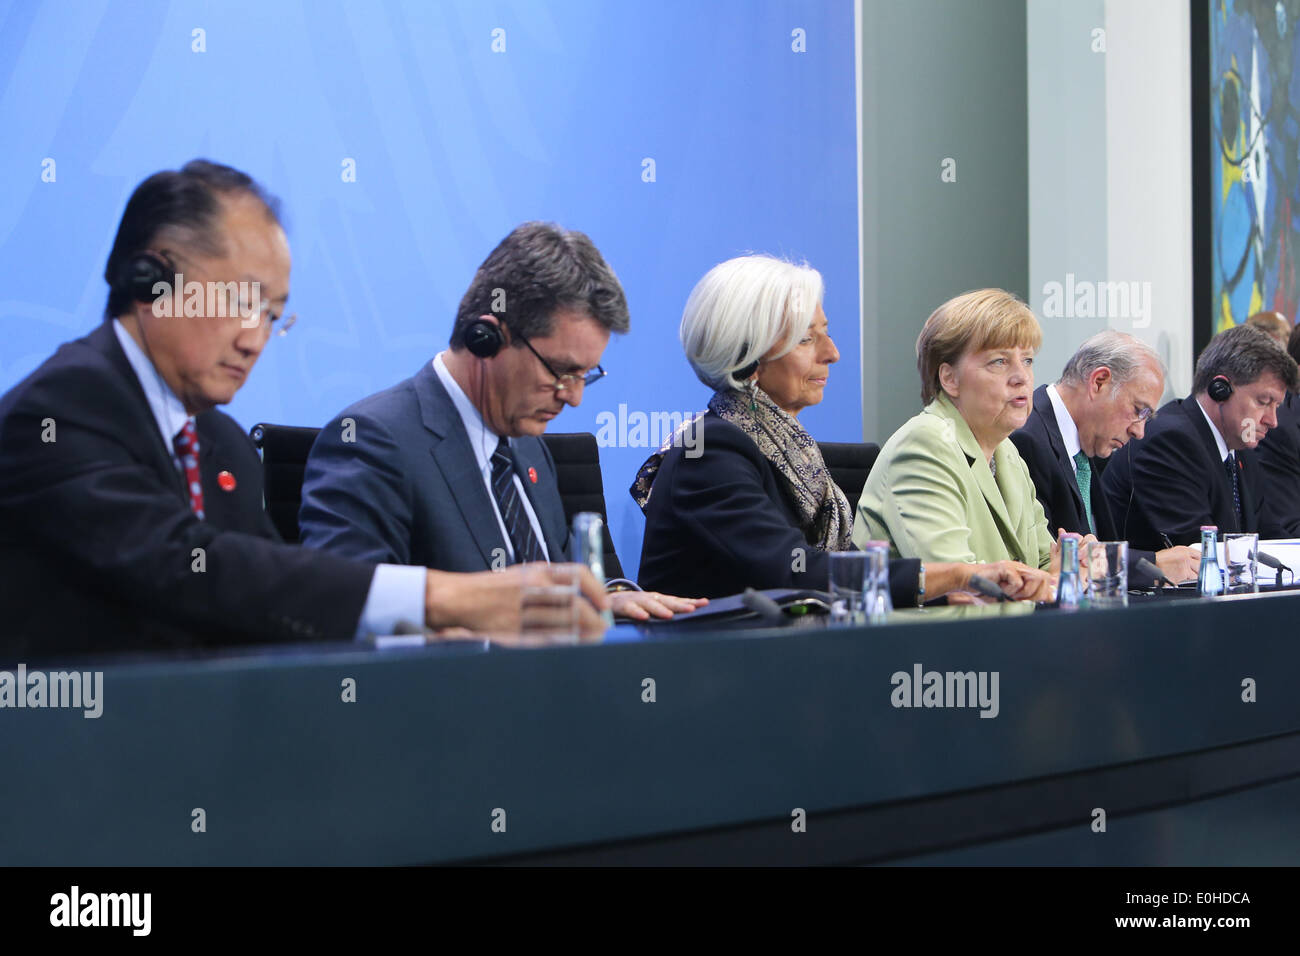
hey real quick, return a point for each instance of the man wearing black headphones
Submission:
(447, 468)
(1197, 463)
(131, 510)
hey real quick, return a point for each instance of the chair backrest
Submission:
(577, 464)
(850, 463)
(284, 461)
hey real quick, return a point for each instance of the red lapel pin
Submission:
(226, 481)
(532, 475)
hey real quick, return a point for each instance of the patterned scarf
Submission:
(824, 512)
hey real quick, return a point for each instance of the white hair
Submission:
(1120, 352)
(741, 310)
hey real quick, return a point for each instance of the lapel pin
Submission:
(532, 475)
(226, 481)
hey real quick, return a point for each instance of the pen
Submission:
(1165, 538)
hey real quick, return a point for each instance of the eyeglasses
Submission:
(279, 324)
(565, 381)
(1143, 415)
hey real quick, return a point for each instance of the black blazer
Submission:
(99, 550)
(1172, 480)
(720, 522)
(1279, 468)
(1041, 446)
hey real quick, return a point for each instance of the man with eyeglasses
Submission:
(131, 514)
(1197, 464)
(1106, 396)
(447, 468)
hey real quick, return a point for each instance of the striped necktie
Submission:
(518, 527)
(1083, 477)
(186, 444)
(1230, 463)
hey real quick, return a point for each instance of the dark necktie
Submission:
(1230, 463)
(1083, 478)
(186, 444)
(518, 527)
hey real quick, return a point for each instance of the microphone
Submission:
(1152, 570)
(762, 605)
(1265, 558)
(986, 587)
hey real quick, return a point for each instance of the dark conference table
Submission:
(459, 753)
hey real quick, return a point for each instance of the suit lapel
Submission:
(984, 479)
(1043, 406)
(454, 458)
(1223, 513)
(104, 340)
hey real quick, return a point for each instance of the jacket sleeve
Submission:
(1168, 476)
(917, 495)
(356, 500)
(91, 503)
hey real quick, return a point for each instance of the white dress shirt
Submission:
(484, 442)
(396, 591)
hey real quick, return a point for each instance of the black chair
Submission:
(577, 463)
(850, 463)
(284, 462)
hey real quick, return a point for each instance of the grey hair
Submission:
(1120, 352)
(1243, 353)
(741, 310)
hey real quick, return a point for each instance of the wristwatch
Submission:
(920, 586)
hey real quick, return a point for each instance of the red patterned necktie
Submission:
(186, 444)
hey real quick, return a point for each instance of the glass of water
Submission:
(1107, 563)
(1240, 557)
(848, 587)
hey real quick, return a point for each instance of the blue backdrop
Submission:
(454, 143)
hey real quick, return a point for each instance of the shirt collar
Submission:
(1214, 430)
(1065, 424)
(481, 438)
(168, 410)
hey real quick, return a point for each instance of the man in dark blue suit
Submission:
(1279, 460)
(131, 510)
(1107, 393)
(447, 469)
(1197, 463)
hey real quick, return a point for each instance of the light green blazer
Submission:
(932, 496)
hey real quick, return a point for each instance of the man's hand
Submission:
(1180, 563)
(642, 605)
(489, 604)
(1017, 581)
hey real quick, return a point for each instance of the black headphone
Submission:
(142, 273)
(484, 338)
(1220, 389)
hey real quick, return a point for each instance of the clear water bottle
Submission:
(879, 605)
(1068, 590)
(1210, 581)
(589, 548)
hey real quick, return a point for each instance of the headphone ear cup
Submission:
(483, 339)
(144, 272)
(1220, 388)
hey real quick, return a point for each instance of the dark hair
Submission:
(536, 270)
(1243, 353)
(185, 205)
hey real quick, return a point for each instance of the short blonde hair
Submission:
(741, 310)
(972, 322)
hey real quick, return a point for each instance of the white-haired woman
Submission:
(749, 502)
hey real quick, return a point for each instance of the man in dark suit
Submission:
(447, 469)
(131, 509)
(1279, 461)
(1105, 396)
(1197, 463)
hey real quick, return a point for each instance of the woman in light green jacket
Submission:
(949, 485)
